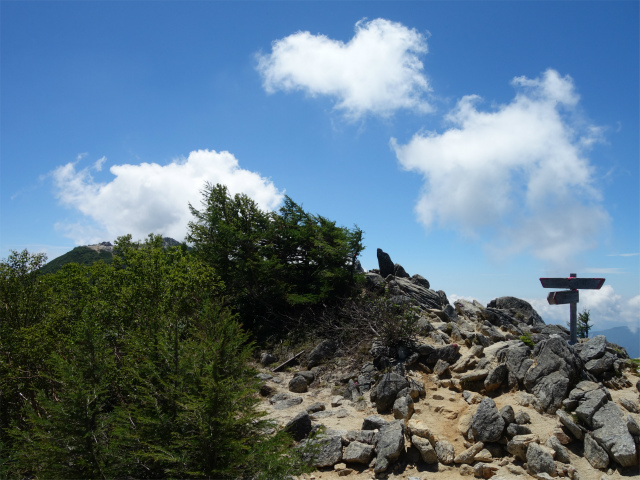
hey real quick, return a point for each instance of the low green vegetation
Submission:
(527, 340)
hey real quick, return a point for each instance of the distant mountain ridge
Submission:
(624, 337)
(89, 254)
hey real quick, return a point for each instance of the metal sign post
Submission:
(570, 296)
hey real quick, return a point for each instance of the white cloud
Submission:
(378, 71)
(608, 309)
(151, 198)
(518, 175)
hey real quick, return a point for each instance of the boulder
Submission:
(390, 445)
(321, 352)
(384, 263)
(323, 451)
(594, 348)
(594, 453)
(441, 369)
(515, 429)
(496, 377)
(363, 436)
(387, 390)
(629, 405)
(562, 454)
(403, 408)
(316, 407)
(539, 460)
(298, 384)
(424, 297)
(556, 371)
(288, 403)
(568, 422)
(521, 417)
(373, 422)
(527, 313)
(598, 366)
(430, 355)
(487, 424)
(590, 403)
(508, 414)
(519, 444)
(299, 426)
(612, 433)
(267, 359)
(420, 429)
(357, 452)
(420, 280)
(399, 271)
(427, 452)
(445, 452)
(518, 360)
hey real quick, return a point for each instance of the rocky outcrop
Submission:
(556, 370)
(520, 309)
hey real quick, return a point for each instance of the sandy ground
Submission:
(441, 410)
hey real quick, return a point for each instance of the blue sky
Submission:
(481, 144)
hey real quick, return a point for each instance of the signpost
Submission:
(570, 296)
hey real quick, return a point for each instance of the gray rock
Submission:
(557, 369)
(399, 271)
(420, 280)
(403, 408)
(320, 415)
(316, 407)
(264, 376)
(539, 460)
(519, 444)
(562, 454)
(267, 359)
(527, 313)
(594, 348)
(522, 418)
(612, 433)
(357, 452)
(390, 445)
(594, 453)
(431, 355)
(416, 389)
(320, 353)
(590, 403)
(373, 422)
(427, 452)
(288, 403)
(496, 377)
(323, 451)
(508, 414)
(278, 397)
(424, 297)
(298, 384)
(487, 424)
(568, 422)
(445, 452)
(441, 369)
(299, 426)
(629, 405)
(632, 426)
(384, 263)
(598, 366)
(514, 429)
(363, 436)
(374, 282)
(387, 390)
(517, 358)
(308, 375)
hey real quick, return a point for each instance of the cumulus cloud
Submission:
(151, 198)
(608, 309)
(378, 71)
(518, 174)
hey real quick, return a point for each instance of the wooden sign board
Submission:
(573, 283)
(560, 298)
